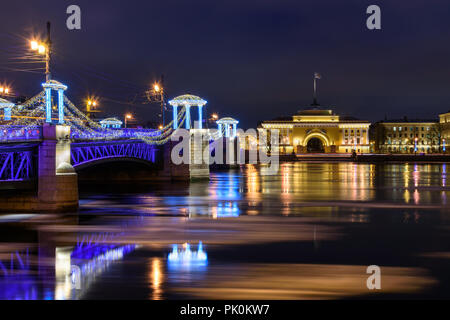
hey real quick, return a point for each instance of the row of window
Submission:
(353, 131)
(410, 128)
(412, 150)
(411, 135)
(420, 142)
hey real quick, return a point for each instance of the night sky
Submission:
(251, 60)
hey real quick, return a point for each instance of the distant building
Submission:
(444, 123)
(111, 123)
(318, 130)
(407, 136)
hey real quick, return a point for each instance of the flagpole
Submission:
(315, 91)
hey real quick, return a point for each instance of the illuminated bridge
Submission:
(48, 143)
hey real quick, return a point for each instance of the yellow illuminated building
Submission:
(319, 131)
(403, 136)
(444, 121)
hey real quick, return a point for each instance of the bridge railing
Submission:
(116, 133)
(83, 153)
(20, 133)
(17, 163)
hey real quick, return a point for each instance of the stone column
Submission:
(188, 117)
(57, 180)
(200, 117)
(220, 129)
(7, 114)
(234, 130)
(227, 130)
(175, 117)
(61, 106)
(48, 105)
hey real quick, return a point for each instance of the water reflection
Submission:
(156, 278)
(265, 234)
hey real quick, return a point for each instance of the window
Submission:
(395, 128)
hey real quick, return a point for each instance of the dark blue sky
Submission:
(252, 60)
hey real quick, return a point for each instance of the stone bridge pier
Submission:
(57, 179)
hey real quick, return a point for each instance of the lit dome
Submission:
(111, 121)
(6, 104)
(187, 100)
(227, 120)
(54, 85)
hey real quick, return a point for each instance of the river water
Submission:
(309, 232)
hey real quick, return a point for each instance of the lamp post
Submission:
(415, 146)
(91, 106)
(443, 145)
(44, 48)
(128, 116)
(158, 89)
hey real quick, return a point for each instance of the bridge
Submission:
(49, 143)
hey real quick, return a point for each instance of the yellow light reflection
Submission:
(156, 277)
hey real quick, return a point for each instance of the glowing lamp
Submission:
(41, 49)
(34, 45)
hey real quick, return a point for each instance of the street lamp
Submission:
(91, 106)
(44, 48)
(128, 116)
(159, 90)
(4, 91)
(443, 147)
(415, 145)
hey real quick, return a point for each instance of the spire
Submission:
(317, 76)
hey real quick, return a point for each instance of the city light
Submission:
(92, 103)
(156, 87)
(40, 47)
(4, 90)
(34, 45)
(128, 116)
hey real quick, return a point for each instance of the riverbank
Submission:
(367, 157)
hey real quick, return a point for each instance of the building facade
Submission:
(318, 130)
(444, 123)
(403, 136)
